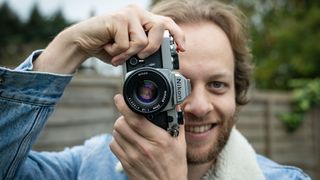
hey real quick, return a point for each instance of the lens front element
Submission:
(146, 91)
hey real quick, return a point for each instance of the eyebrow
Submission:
(222, 74)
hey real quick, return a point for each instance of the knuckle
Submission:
(116, 125)
(146, 151)
(134, 157)
(141, 42)
(153, 47)
(119, 123)
(122, 46)
(150, 49)
(112, 146)
(164, 144)
(166, 21)
(127, 166)
(120, 17)
(137, 125)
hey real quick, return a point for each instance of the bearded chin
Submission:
(211, 155)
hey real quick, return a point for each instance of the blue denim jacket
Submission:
(26, 101)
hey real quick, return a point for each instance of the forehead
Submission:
(207, 46)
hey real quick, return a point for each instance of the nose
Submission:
(198, 103)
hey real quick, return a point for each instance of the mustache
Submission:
(190, 118)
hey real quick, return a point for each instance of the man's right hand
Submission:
(112, 38)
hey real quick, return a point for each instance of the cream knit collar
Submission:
(237, 161)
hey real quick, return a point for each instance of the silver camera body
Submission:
(153, 88)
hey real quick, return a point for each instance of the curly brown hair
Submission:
(230, 19)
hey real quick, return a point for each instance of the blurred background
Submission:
(281, 121)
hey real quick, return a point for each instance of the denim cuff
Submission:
(23, 84)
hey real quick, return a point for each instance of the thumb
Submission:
(123, 108)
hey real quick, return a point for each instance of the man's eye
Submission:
(217, 85)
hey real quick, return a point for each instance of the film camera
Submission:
(152, 87)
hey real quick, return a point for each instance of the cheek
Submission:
(225, 106)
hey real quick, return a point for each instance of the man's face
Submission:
(210, 108)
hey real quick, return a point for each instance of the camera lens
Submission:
(147, 91)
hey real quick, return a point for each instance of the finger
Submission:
(134, 160)
(103, 55)
(121, 39)
(135, 47)
(122, 127)
(123, 144)
(123, 108)
(119, 152)
(161, 23)
(117, 149)
(131, 150)
(155, 38)
(137, 122)
(177, 34)
(138, 41)
(122, 149)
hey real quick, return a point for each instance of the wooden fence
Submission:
(86, 109)
(259, 123)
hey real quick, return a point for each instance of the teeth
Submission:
(198, 129)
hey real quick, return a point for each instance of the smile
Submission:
(198, 129)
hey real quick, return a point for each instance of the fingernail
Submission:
(142, 55)
(115, 63)
(119, 59)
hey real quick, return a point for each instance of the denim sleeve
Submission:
(273, 170)
(26, 101)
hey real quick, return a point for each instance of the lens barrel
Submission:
(146, 91)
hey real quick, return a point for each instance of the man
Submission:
(215, 59)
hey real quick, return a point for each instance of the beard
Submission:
(224, 129)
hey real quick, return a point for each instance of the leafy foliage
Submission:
(286, 48)
(306, 95)
(286, 53)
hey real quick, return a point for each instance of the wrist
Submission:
(62, 55)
